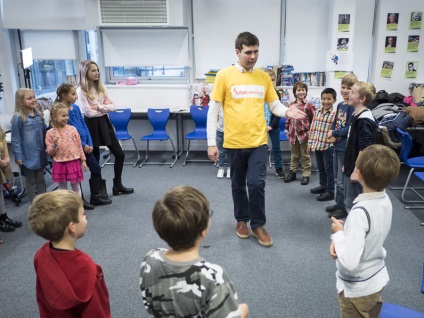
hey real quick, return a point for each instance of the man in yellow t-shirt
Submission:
(241, 91)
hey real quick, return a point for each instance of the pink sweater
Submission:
(69, 144)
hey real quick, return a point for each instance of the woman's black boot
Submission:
(118, 188)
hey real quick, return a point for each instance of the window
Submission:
(148, 72)
(47, 75)
(91, 45)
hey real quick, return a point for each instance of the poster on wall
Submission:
(390, 44)
(387, 69)
(342, 44)
(416, 20)
(339, 75)
(344, 23)
(411, 69)
(413, 43)
(339, 61)
(199, 94)
(392, 21)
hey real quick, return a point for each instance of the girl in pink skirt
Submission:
(64, 146)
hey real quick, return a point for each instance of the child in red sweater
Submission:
(69, 283)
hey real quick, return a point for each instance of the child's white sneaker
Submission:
(220, 174)
(228, 173)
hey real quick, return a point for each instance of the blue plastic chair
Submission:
(199, 114)
(283, 137)
(395, 311)
(413, 163)
(158, 118)
(120, 120)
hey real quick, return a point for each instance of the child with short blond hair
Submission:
(338, 135)
(357, 245)
(69, 283)
(361, 135)
(297, 132)
(177, 281)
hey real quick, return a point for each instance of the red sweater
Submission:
(69, 284)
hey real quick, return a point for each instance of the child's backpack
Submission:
(381, 97)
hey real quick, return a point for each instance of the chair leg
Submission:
(138, 153)
(175, 153)
(188, 150)
(147, 155)
(405, 187)
(106, 161)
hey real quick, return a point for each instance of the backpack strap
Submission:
(368, 218)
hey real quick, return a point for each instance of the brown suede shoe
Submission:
(242, 230)
(262, 235)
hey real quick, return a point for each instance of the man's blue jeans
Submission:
(248, 167)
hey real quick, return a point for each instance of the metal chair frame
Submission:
(413, 163)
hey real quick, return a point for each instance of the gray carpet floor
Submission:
(293, 278)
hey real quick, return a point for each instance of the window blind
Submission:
(134, 11)
(50, 45)
(217, 23)
(132, 47)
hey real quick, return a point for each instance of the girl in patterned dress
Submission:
(64, 146)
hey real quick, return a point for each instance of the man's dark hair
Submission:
(329, 90)
(247, 39)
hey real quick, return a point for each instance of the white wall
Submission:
(306, 42)
(217, 23)
(360, 35)
(398, 83)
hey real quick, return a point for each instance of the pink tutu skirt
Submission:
(67, 171)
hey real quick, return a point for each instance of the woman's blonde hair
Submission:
(19, 102)
(84, 67)
(53, 111)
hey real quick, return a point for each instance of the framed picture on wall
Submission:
(392, 21)
(390, 44)
(415, 22)
(413, 43)
(344, 23)
(411, 69)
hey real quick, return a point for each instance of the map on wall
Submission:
(339, 61)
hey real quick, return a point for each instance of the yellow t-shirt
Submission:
(242, 95)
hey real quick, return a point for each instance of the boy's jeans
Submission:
(325, 167)
(339, 177)
(274, 135)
